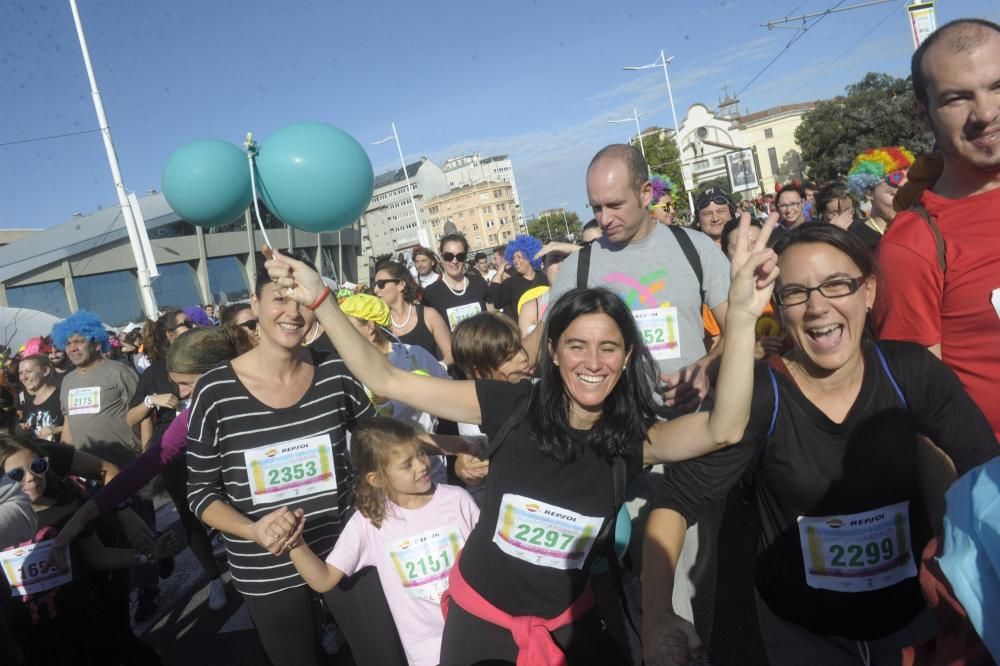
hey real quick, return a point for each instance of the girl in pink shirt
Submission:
(410, 530)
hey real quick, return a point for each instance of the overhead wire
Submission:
(787, 46)
(846, 51)
(47, 138)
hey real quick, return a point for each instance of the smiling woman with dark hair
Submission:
(561, 452)
(834, 438)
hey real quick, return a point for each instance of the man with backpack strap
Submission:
(940, 260)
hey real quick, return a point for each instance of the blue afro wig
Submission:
(82, 323)
(527, 245)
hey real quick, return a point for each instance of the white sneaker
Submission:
(217, 594)
(331, 640)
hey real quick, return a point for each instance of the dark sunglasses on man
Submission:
(38, 467)
(449, 257)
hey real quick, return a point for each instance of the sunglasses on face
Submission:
(182, 324)
(38, 467)
(895, 179)
(380, 284)
(449, 257)
(250, 325)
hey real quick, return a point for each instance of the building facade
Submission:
(485, 213)
(707, 136)
(389, 224)
(471, 169)
(87, 262)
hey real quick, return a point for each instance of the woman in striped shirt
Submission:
(267, 430)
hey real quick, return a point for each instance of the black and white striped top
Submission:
(226, 421)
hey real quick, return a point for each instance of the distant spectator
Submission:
(591, 231)
(198, 316)
(837, 206)
(239, 314)
(790, 201)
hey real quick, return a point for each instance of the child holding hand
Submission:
(410, 530)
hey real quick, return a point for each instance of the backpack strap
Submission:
(583, 266)
(691, 254)
(892, 379)
(939, 244)
(774, 413)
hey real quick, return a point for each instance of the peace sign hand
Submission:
(292, 278)
(754, 269)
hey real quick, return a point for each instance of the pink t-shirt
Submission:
(413, 551)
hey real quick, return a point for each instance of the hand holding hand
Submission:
(278, 530)
(671, 641)
(165, 546)
(136, 531)
(292, 278)
(165, 400)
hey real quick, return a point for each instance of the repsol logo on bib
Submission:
(868, 521)
(554, 514)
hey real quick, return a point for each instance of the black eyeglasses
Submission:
(380, 284)
(181, 324)
(38, 467)
(250, 325)
(838, 288)
(721, 200)
(449, 257)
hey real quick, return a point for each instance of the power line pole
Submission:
(777, 23)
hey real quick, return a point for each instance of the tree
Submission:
(877, 111)
(540, 227)
(662, 157)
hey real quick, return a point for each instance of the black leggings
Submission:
(174, 477)
(287, 627)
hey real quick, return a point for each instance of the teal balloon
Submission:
(314, 177)
(207, 182)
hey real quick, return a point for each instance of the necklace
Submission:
(465, 285)
(873, 222)
(409, 313)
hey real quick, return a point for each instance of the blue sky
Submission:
(536, 80)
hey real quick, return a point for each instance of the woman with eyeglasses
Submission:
(456, 296)
(412, 323)
(427, 266)
(790, 202)
(833, 449)
(73, 616)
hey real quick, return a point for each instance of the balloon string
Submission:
(256, 206)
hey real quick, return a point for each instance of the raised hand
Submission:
(754, 268)
(292, 278)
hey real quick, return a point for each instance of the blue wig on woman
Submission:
(528, 246)
(85, 324)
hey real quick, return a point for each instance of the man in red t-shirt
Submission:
(954, 312)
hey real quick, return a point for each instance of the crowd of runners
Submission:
(525, 458)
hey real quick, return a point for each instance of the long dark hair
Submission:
(628, 411)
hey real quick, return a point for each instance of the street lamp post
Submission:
(562, 206)
(638, 130)
(663, 62)
(421, 232)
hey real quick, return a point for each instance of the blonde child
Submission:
(410, 530)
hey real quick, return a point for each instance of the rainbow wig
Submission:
(875, 165)
(661, 185)
(85, 324)
(527, 245)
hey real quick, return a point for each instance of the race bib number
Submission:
(291, 469)
(658, 328)
(28, 570)
(544, 534)
(424, 561)
(858, 552)
(461, 313)
(84, 400)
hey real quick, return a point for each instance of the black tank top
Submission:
(421, 336)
